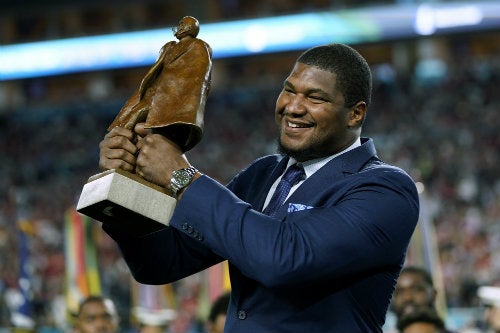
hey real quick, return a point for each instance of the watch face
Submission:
(182, 177)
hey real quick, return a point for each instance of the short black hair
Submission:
(219, 307)
(353, 73)
(426, 276)
(421, 315)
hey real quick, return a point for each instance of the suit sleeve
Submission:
(162, 257)
(368, 227)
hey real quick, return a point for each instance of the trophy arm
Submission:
(155, 69)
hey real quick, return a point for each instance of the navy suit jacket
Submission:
(328, 262)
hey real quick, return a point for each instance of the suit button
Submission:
(195, 233)
(189, 229)
(242, 314)
(184, 226)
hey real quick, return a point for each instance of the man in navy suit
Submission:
(327, 260)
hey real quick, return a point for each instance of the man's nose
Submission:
(296, 105)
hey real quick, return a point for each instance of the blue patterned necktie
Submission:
(291, 177)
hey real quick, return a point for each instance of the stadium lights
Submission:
(429, 19)
(247, 37)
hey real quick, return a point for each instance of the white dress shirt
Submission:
(310, 167)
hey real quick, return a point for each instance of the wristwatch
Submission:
(181, 178)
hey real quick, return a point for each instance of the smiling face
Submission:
(310, 113)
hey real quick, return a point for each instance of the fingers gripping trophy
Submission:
(170, 101)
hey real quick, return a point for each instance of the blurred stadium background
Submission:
(435, 113)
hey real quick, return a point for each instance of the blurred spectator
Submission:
(421, 320)
(414, 302)
(153, 320)
(97, 314)
(490, 297)
(414, 290)
(217, 316)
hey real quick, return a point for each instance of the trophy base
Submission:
(126, 201)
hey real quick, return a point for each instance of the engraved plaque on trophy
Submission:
(171, 101)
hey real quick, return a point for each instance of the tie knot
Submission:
(294, 174)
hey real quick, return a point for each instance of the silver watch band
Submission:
(181, 178)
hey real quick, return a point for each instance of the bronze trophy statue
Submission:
(171, 101)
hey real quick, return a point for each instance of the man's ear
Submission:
(357, 114)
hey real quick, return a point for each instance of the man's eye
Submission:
(317, 98)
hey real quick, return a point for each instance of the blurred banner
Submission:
(82, 274)
(22, 304)
(424, 251)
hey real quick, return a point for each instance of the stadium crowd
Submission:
(442, 130)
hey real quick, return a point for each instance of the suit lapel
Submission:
(276, 172)
(334, 171)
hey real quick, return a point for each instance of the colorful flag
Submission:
(218, 280)
(152, 304)
(82, 274)
(424, 251)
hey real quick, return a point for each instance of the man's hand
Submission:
(158, 157)
(118, 150)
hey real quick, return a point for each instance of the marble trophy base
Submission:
(126, 201)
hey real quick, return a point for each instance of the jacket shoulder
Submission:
(262, 164)
(390, 175)
(255, 173)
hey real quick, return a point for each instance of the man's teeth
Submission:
(293, 125)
